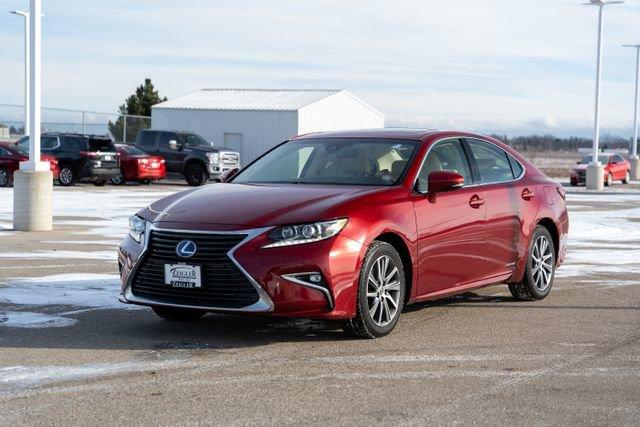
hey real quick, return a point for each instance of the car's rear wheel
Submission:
(541, 264)
(196, 174)
(627, 177)
(178, 314)
(118, 180)
(5, 179)
(381, 290)
(100, 182)
(609, 180)
(67, 176)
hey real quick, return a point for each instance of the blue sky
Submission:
(504, 66)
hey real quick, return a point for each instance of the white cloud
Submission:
(462, 60)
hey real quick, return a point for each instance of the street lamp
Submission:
(635, 169)
(33, 183)
(595, 170)
(26, 67)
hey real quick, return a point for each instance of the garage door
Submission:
(233, 141)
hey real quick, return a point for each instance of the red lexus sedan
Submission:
(136, 165)
(10, 158)
(352, 226)
(615, 168)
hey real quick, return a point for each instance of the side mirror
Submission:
(226, 176)
(173, 145)
(442, 181)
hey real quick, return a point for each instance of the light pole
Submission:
(25, 15)
(33, 183)
(635, 169)
(595, 170)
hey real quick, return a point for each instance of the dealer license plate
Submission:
(182, 276)
(108, 158)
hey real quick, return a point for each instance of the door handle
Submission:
(528, 194)
(475, 202)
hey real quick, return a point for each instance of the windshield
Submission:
(587, 159)
(332, 161)
(23, 145)
(193, 140)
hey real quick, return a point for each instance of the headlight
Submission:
(137, 227)
(305, 233)
(214, 158)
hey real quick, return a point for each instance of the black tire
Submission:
(536, 286)
(609, 180)
(100, 182)
(5, 178)
(627, 177)
(195, 174)
(67, 176)
(118, 180)
(363, 324)
(178, 314)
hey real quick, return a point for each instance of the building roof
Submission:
(249, 99)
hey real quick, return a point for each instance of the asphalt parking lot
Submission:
(71, 354)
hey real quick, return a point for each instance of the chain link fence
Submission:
(120, 127)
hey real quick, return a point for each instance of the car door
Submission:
(451, 235)
(619, 167)
(173, 158)
(504, 202)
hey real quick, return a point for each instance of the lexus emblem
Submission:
(186, 248)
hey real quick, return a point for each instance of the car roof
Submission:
(424, 135)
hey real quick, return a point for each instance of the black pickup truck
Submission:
(188, 154)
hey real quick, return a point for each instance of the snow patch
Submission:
(25, 319)
(98, 291)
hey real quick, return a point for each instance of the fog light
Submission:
(315, 278)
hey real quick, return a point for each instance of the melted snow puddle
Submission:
(81, 291)
(25, 319)
(96, 255)
(16, 378)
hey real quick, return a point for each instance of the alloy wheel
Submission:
(117, 180)
(542, 263)
(66, 176)
(609, 180)
(383, 291)
(4, 177)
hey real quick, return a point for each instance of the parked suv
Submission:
(188, 154)
(80, 157)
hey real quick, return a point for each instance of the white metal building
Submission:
(251, 121)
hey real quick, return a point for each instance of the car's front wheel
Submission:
(5, 179)
(196, 174)
(627, 177)
(609, 180)
(178, 314)
(541, 264)
(381, 290)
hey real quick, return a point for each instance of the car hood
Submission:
(580, 168)
(253, 205)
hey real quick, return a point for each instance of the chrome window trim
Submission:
(264, 303)
(437, 141)
(292, 278)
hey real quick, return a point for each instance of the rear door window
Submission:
(49, 143)
(148, 139)
(493, 163)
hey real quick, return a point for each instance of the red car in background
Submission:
(615, 168)
(136, 165)
(10, 158)
(350, 226)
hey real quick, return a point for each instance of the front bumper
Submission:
(272, 272)
(216, 171)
